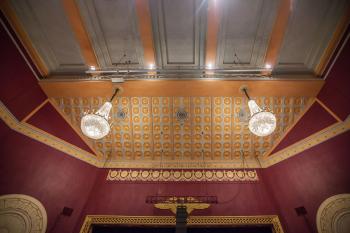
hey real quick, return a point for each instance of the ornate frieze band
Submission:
(271, 220)
(46, 138)
(307, 143)
(183, 175)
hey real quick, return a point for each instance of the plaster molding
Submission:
(271, 220)
(333, 213)
(311, 141)
(183, 175)
(22, 213)
(46, 138)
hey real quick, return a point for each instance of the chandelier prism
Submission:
(96, 125)
(262, 122)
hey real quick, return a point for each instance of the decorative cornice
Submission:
(307, 143)
(183, 175)
(270, 220)
(46, 138)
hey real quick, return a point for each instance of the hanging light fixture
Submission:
(262, 122)
(96, 125)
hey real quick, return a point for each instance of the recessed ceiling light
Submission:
(268, 66)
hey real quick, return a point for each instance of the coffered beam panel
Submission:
(278, 31)
(50, 32)
(113, 30)
(73, 14)
(309, 30)
(8, 11)
(213, 20)
(244, 32)
(309, 88)
(145, 31)
(179, 32)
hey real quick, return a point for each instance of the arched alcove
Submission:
(21, 214)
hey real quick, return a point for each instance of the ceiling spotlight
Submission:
(268, 66)
(262, 122)
(92, 68)
(151, 66)
(210, 66)
(96, 125)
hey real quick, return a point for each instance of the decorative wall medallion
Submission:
(22, 214)
(270, 220)
(333, 215)
(183, 175)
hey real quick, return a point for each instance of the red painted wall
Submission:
(49, 120)
(335, 94)
(307, 126)
(19, 89)
(308, 178)
(54, 178)
(111, 197)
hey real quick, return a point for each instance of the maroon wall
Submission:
(307, 179)
(111, 197)
(54, 178)
(19, 89)
(49, 120)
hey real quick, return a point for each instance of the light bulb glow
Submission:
(262, 123)
(268, 66)
(96, 125)
(92, 68)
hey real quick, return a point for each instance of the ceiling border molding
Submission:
(22, 35)
(270, 220)
(93, 25)
(324, 36)
(307, 88)
(154, 175)
(263, 30)
(309, 142)
(76, 23)
(46, 138)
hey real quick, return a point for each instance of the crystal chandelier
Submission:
(96, 125)
(262, 122)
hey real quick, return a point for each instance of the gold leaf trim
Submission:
(46, 138)
(183, 175)
(271, 220)
(311, 141)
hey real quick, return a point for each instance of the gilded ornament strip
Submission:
(183, 175)
(46, 138)
(271, 220)
(307, 143)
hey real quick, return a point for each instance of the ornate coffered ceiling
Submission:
(180, 132)
(68, 36)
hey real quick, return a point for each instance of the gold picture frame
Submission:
(271, 220)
